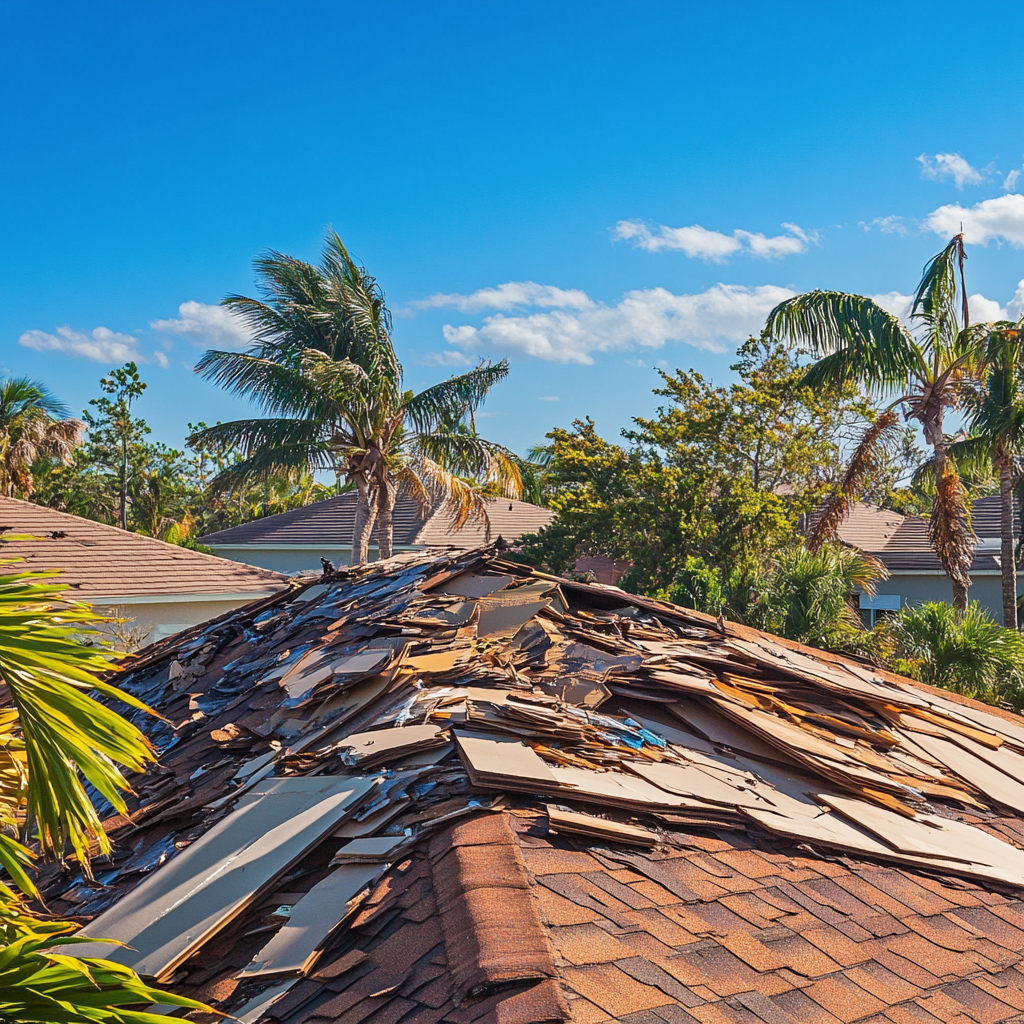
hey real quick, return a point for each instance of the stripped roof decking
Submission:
(611, 809)
(100, 561)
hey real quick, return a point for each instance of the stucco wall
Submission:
(986, 590)
(164, 619)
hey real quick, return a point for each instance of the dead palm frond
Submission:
(866, 459)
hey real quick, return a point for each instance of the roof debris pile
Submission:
(453, 788)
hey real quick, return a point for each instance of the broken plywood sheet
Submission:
(503, 761)
(369, 748)
(995, 784)
(470, 584)
(312, 919)
(692, 781)
(198, 892)
(721, 730)
(372, 850)
(503, 620)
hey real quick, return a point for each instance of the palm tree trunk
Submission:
(385, 522)
(1008, 563)
(362, 529)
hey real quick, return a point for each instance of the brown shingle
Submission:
(101, 561)
(613, 990)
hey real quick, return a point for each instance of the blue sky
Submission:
(590, 189)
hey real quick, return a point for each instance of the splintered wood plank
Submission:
(165, 918)
(561, 819)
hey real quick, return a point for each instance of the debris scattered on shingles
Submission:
(331, 731)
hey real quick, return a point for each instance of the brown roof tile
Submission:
(99, 561)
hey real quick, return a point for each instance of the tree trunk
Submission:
(385, 522)
(1008, 562)
(366, 512)
(123, 512)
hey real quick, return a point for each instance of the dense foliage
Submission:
(723, 474)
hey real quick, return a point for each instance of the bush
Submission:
(972, 655)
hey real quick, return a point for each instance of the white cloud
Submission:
(101, 344)
(209, 326)
(1015, 307)
(508, 296)
(949, 165)
(548, 398)
(982, 310)
(712, 246)
(895, 303)
(1010, 181)
(161, 360)
(649, 318)
(891, 225)
(1000, 218)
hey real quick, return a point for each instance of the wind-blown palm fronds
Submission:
(924, 370)
(865, 460)
(53, 734)
(33, 424)
(324, 371)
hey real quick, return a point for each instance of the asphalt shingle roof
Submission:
(331, 521)
(103, 561)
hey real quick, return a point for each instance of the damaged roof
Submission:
(450, 788)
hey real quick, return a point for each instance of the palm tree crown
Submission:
(323, 367)
(924, 365)
(33, 423)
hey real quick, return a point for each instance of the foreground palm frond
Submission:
(39, 985)
(66, 734)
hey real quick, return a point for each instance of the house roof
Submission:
(331, 521)
(100, 561)
(449, 788)
(901, 542)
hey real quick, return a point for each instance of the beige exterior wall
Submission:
(159, 619)
(292, 558)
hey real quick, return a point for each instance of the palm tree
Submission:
(322, 366)
(995, 418)
(924, 365)
(33, 423)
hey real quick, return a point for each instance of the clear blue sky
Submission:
(149, 150)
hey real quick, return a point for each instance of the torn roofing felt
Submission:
(452, 788)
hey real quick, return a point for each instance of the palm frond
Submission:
(935, 300)
(877, 439)
(19, 395)
(455, 398)
(851, 336)
(469, 456)
(49, 674)
(275, 388)
(949, 527)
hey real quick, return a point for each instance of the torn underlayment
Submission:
(450, 788)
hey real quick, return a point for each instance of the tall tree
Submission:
(995, 417)
(923, 365)
(323, 367)
(115, 435)
(33, 425)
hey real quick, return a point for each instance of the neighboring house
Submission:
(297, 540)
(901, 544)
(161, 587)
